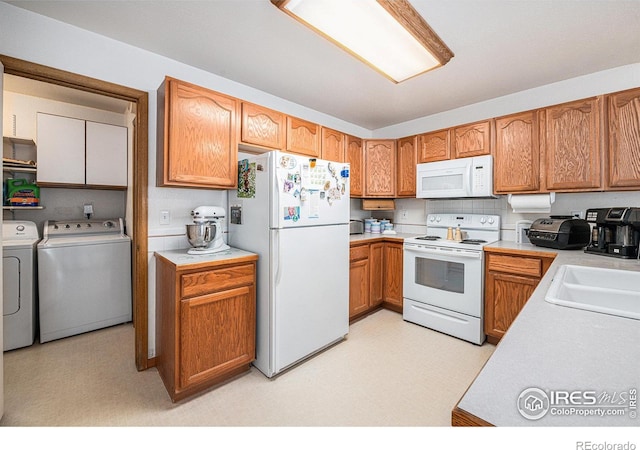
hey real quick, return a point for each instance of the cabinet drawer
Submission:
(518, 265)
(359, 252)
(199, 283)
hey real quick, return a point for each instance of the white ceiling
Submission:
(500, 47)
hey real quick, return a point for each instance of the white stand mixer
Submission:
(205, 235)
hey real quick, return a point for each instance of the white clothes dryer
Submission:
(19, 288)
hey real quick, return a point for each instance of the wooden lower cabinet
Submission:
(393, 255)
(205, 323)
(510, 279)
(359, 285)
(375, 277)
(376, 258)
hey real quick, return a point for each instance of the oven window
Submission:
(442, 275)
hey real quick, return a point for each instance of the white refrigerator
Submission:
(293, 211)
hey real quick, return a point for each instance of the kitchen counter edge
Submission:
(181, 259)
(367, 238)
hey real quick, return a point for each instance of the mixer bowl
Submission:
(200, 235)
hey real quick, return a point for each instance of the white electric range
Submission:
(443, 279)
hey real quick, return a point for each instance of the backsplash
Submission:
(410, 213)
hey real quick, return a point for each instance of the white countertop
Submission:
(182, 258)
(371, 236)
(556, 348)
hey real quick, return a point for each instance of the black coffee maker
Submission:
(616, 232)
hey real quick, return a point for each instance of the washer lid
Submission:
(73, 241)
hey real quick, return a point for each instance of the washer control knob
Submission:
(491, 220)
(67, 226)
(483, 219)
(432, 218)
(438, 219)
(20, 228)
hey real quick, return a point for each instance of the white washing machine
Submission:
(84, 277)
(19, 288)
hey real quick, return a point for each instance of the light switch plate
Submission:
(165, 218)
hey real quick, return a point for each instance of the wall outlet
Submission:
(165, 218)
(578, 214)
(404, 214)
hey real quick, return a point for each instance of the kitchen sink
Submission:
(607, 291)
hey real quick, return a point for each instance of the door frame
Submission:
(26, 69)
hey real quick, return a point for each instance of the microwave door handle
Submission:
(435, 251)
(469, 179)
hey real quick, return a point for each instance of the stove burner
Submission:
(428, 238)
(473, 241)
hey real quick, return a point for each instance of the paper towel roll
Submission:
(531, 203)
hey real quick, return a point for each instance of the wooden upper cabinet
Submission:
(353, 154)
(380, 168)
(406, 167)
(199, 146)
(572, 146)
(303, 137)
(623, 144)
(262, 126)
(434, 146)
(517, 154)
(472, 140)
(332, 145)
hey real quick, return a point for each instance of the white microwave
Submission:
(456, 178)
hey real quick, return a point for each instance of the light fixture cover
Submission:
(388, 35)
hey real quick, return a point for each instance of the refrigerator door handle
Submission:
(278, 262)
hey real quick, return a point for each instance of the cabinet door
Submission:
(60, 149)
(358, 287)
(106, 162)
(517, 154)
(332, 145)
(262, 126)
(393, 273)
(505, 295)
(380, 165)
(624, 140)
(572, 148)
(406, 163)
(201, 138)
(376, 260)
(217, 334)
(434, 146)
(354, 156)
(303, 137)
(472, 140)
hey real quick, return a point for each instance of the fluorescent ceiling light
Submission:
(388, 35)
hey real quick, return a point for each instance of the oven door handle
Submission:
(439, 252)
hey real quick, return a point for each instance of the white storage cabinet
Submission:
(79, 152)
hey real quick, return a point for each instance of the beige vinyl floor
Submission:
(386, 373)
